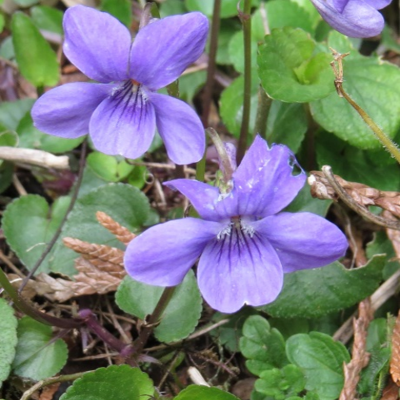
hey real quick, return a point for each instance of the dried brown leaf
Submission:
(121, 233)
(362, 194)
(395, 360)
(390, 392)
(91, 279)
(48, 392)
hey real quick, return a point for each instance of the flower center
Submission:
(237, 227)
(130, 93)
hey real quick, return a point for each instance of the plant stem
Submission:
(58, 231)
(50, 381)
(263, 106)
(27, 309)
(387, 143)
(140, 342)
(245, 17)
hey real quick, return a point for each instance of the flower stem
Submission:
(154, 319)
(59, 229)
(245, 17)
(263, 106)
(27, 309)
(338, 70)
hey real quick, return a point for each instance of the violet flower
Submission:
(354, 18)
(244, 242)
(122, 112)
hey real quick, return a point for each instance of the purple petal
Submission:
(97, 43)
(340, 4)
(264, 182)
(378, 4)
(302, 240)
(202, 196)
(237, 270)
(124, 124)
(163, 49)
(358, 19)
(180, 128)
(163, 254)
(65, 111)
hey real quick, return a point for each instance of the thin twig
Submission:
(350, 202)
(35, 157)
(18, 185)
(58, 232)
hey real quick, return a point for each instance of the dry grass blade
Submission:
(95, 252)
(121, 233)
(360, 357)
(395, 360)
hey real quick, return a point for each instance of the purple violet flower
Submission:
(354, 18)
(121, 112)
(244, 242)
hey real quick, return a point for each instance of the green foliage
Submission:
(36, 59)
(263, 347)
(29, 224)
(371, 168)
(117, 382)
(32, 138)
(181, 315)
(320, 291)
(109, 168)
(228, 7)
(8, 339)
(47, 18)
(378, 96)
(38, 356)
(196, 392)
(121, 9)
(124, 203)
(11, 112)
(321, 359)
(280, 384)
(292, 68)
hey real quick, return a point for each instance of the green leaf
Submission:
(120, 9)
(379, 97)
(196, 392)
(304, 202)
(138, 176)
(292, 68)
(181, 315)
(32, 138)
(117, 382)
(281, 383)
(382, 245)
(124, 203)
(37, 356)
(231, 105)
(357, 165)
(11, 112)
(190, 84)
(36, 59)
(262, 346)
(321, 359)
(6, 173)
(228, 7)
(2, 22)
(109, 168)
(25, 3)
(47, 18)
(8, 339)
(287, 124)
(229, 334)
(316, 292)
(29, 224)
(172, 7)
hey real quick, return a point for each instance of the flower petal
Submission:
(358, 19)
(378, 4)
(163, 254)
(340, 4)
(264, 182)
(124, 124)
(180, 128)
(65, 111)
(163, 49)
(302, 240)
(97, 43)
(237, 270)
(202, 196)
